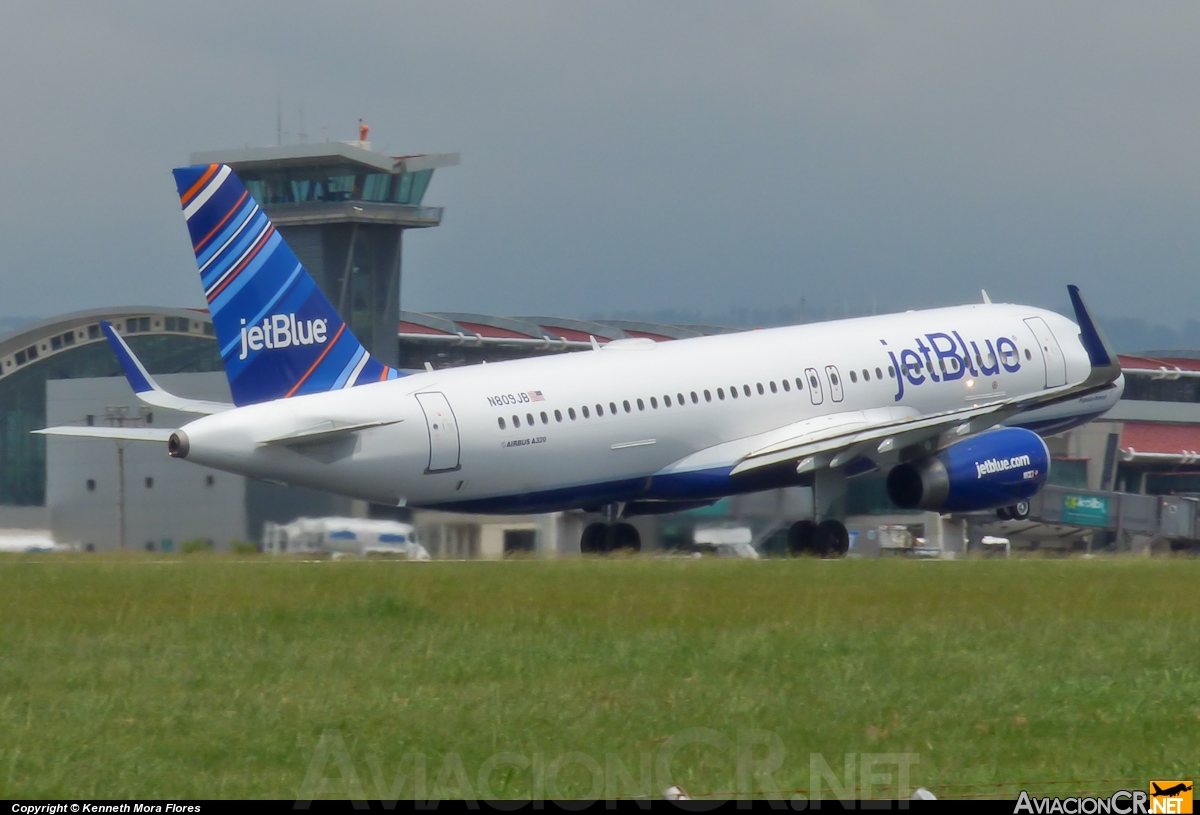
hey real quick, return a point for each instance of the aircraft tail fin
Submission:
(279, 335)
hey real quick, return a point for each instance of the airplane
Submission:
(949, 402)
(1170, 792)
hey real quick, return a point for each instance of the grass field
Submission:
(207, 677)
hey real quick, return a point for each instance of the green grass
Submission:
(208, 677)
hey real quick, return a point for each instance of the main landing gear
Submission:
(1017, 512)
(828, 538)
(600, 538)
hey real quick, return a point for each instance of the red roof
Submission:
(647, 335)
(1157, 437)
(493, 331)
(570, 334)
(1155, 363)
(416, 328)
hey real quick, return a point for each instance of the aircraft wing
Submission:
(160, 434)
(834, 440)
(144, 385)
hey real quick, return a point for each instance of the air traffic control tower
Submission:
(344, 209)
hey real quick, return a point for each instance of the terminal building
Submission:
(344, 210)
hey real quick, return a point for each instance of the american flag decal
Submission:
(535, 396)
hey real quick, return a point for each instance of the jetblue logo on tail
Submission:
(282, 331)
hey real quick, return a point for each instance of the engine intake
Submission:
(991, 470)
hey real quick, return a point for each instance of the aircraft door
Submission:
(815, 391)
(443, 432)
(835, 383)
(1052, 355)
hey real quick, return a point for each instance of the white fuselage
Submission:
(644, 420)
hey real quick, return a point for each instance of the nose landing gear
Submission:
(1017, 512)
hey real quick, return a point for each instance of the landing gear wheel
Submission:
(800, 538)
(594, 539)
(625, 537)
(1019, 511)
(1004, 514)
(831, 539)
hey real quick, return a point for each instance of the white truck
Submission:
(344, 536)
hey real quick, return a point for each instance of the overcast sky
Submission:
(634, 156)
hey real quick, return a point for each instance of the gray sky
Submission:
(635, 156)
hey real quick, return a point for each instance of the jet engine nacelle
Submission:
(991, 470)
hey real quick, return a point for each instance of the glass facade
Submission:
(23, 398)
(1150, 389)
(333, 185)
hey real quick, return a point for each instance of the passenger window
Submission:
(571, 413)
(760, 388)
(612, 408)
(787, 386)
(773, 388)
(696, 401)
(585, 412)
(721, 394)
(800, 384)
(746, 389)
(626, 404)
(599, 409)
(891, 372)
(641, 404)
(878, 374)
(1027, 354)
(679, 398)
(501, 420)
(516, 420)
(707, 396)
(866, 375)
(812, 380)
(732, 392)
(545, 418)
(853, 377)
(558, 415)
(666, 401)
(654, 402)
(833, 379)
(529, 418)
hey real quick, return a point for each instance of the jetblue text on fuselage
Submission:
(282, 331)
(955, 358)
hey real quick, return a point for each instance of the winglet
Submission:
(1098, 350)
(139, 378)
(987, 301)
(144, 385)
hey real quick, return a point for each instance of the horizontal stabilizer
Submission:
(159, 434)
(144, 385)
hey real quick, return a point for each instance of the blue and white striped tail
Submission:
(279, 334)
